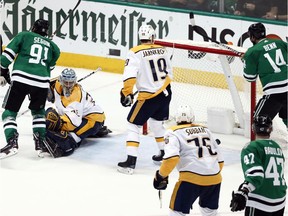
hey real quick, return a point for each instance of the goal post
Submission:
(209, 78)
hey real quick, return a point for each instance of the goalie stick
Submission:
(160, 197)
(197, 29)
(55, 78)
(66, 18)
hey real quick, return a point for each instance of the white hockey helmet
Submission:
(146, 32)
(68, 79)
(184, 114)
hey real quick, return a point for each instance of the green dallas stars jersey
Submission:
(35, 56)
(268, 59)
(263, 166)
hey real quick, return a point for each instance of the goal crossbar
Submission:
(208, 47)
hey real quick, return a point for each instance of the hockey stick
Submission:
(93, 72)
(198, 30)
(66, 18)
(55, 78)
(160, 197)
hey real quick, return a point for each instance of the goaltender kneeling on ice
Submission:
(76, 117)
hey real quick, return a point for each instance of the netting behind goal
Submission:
(209, 77)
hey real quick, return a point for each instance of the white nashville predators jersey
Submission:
(150, 65)
(200, 158)
(78, 105)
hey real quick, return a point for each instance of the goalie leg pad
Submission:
(63, 140)
(52, 147)
(53, 120)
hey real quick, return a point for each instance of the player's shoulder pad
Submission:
(178, 127)
(144, 47)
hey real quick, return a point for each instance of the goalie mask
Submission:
(184, 114)
(146, 32)
(262, 125)
(67, 80)
(41, 27)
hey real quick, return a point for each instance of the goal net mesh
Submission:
(199, 81)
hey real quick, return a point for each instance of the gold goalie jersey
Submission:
(148, 66)
(75, 107)
(195, 152)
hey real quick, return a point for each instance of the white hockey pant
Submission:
(158, 130)
(133, 136)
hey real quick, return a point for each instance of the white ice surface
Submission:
(87, 183)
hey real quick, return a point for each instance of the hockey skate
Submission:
(128, 166)
(11, 148)
(157, 159)
(39, 146)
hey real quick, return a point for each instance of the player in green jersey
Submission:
(268, 60)
(263, 192)
(36, 57)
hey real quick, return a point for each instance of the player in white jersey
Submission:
(148, 67)
(76, 116)
(199, 160)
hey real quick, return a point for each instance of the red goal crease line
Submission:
(197, 47)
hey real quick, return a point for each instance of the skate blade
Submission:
(158, 163)
(128, 171)
(40, 153)
(11, 153)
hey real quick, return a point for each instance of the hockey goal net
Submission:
(209, 78)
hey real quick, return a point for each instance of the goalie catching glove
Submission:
(53, 120)
(126, 100)
(160, 182)
(239, 197)
(4, 76)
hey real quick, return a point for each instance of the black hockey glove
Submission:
(126, 101)
(4, 72)
(50, 95)
(160, 182)
(239, 198)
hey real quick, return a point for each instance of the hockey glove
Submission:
(53, 120)
(51, 96)
(239, 198)
(160, 182)
(5, 76)
(126, 101)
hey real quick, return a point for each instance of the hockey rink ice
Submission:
(87, 183)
